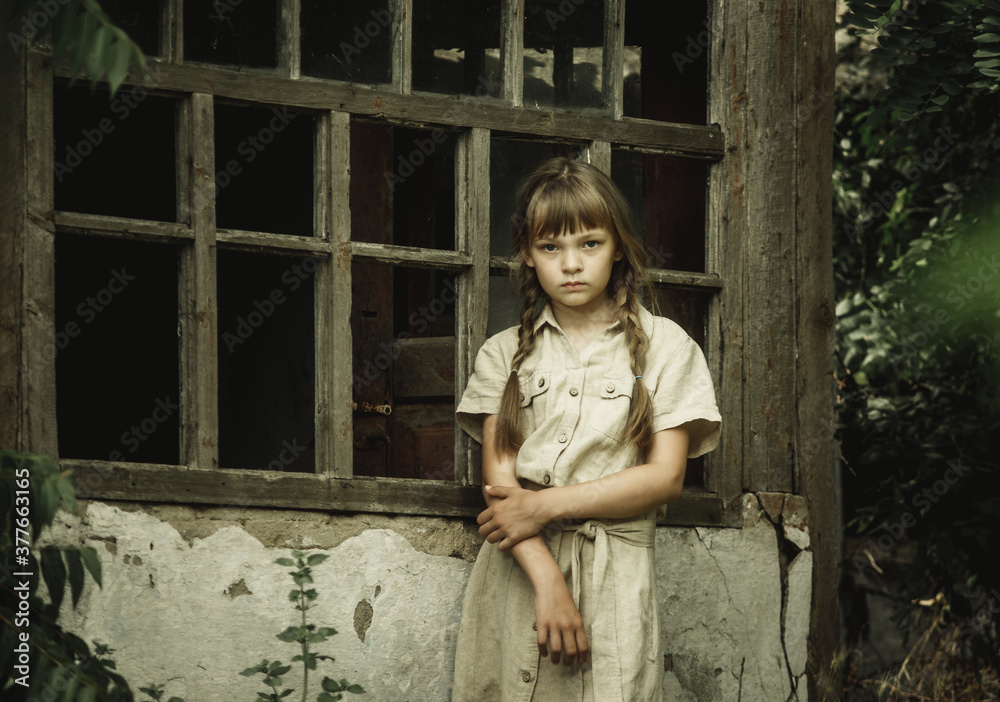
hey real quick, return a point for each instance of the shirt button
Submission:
(534, 626)
(610, 387)
(522, 397)
(541, 382)
(574, 392)
(562, 438)
(547, 479)
(525, 676)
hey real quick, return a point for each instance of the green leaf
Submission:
(285, 562)
(93, 563)
(356, 689)
(120, 56)
(317, 558)
(331, 685)
(83, 31)
(54, 573)
(987, 38)
(75, 574)
(292, 633)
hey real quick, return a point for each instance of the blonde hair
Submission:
(564, 196)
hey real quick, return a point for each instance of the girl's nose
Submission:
(571, 262)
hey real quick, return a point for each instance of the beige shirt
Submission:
(574, 407)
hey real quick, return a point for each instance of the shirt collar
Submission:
(546, 316)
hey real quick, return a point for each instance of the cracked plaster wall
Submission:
(192, 596)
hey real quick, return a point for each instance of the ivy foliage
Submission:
(60, 665)
(81, 29)
(917, 244)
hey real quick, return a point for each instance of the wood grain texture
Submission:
(13, 239)
(472, 221)
(612, 68)
(411, 256)
(136, 482)
(402, 46)
(427, 109)
(726, 231)
(123, 227)
(289, 38)
(816, 451)
(39, 432)
(772, 37)
(197, 286)
(512, 51)
(334, 419)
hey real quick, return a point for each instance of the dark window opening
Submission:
(264, 169)
(666, 63)
(456, 47)
(116, 350)
(563, 54)
(266, 361)
(403, 327)
(140, 20)
(668, 195)
(349, 41)
(115, 157)
(233, 34)
(402, 185)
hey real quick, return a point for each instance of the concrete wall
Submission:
(192, 596)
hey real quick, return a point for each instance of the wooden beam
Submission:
(14, 224)
(334, 390)
(727, 227)
(422, 109)
(172, 30)
(272, 243)
(816, 450)
(472, 218)
(770, 193)
(512, 51)
(139, 482)
(402, 46)
(289, 38)
(122, 227)
(411, 256)
(613, 65)
(197, 284)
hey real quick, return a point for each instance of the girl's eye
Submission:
(548, 248)
(590, 245)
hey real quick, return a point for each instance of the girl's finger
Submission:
(555, 641)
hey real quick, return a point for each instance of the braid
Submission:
(638, 428)
(509, 435)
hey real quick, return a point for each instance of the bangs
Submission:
(565, 206)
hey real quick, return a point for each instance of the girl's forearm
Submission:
(628, 493)
(537, 561)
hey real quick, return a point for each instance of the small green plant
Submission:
(156, 693)
(305, 635)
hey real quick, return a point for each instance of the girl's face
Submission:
(574, 268)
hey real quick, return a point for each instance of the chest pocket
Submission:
(534, 389)
(611, 408)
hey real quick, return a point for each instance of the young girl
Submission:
(587, 413)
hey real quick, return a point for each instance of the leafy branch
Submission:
(83, 30)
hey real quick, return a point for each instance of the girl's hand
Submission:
(559, 624)
(515, 516)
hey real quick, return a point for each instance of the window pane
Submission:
(139, 19)
(563, 53)
(403, 328)
(234, 34)
(402, 185)
(505, 304)
(456, 47)
(264, 169)
(668, 199)
(266, 361)
(114, 157)
(116, 353)
(688, 309)
(666, 63)
(347, 40)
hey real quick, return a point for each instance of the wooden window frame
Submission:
(333, 487)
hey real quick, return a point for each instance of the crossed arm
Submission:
(514, 516)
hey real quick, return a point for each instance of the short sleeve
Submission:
(486, 384)
(685, 393)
